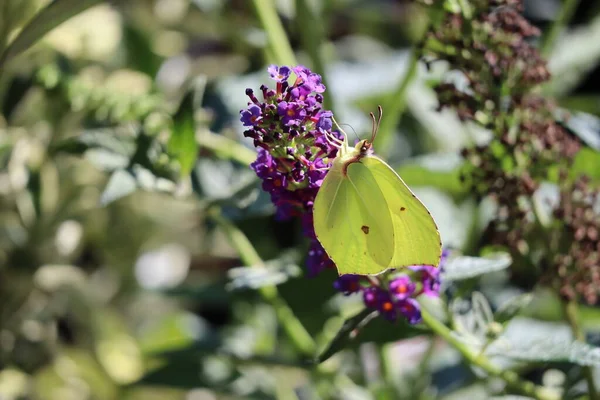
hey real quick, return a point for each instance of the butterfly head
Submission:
(364, 148)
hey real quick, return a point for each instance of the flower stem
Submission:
(278, 42)
(298, 335)
(571, 314)
(511, 378)
(562, 19)
(395, 106)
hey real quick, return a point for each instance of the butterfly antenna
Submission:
(373, 126)
(355, 134)
(376, 122)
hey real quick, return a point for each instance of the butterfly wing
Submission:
(416, 236)
(352, 223)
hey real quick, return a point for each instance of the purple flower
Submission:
(402, 287)
(310, 82)
(410, 309)
(251, 116)
(325, 123)
(264, 166)
(429, 277)
(291, 113)
(348, 284)
(317, 259)
(380, 300)
(279, 74)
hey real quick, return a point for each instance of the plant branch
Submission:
(511, 378)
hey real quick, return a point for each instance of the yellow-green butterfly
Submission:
(365, 216)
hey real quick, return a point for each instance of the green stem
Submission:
(571, 314)
(511, 378)
(395, 105)
(562, 20)
(298, 335)
(312, 40)
(278, 43)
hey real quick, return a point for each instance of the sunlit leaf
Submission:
(548, 349)
(275, 272)
(512, 307)
(49, 18)
(464, 267)
(585, 126)
(121, 183)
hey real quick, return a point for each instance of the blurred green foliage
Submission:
(126, 203)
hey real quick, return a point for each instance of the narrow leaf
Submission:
(182, 144)
(49, 18)
(464, 267)
(347, 332)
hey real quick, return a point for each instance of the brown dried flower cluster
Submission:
(576, 269)
(493, 52)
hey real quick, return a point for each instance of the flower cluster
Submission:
(394, 294)
(576, 271)
(501, 68)
(289, 128)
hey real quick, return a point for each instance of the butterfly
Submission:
(366, 218)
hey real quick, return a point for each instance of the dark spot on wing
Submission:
(365, 229)
(402, 208)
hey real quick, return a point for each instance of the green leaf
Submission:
(548, 349)
(464, 267)
(587, 161)
(49, 18)
(512, 307)
(122, 182)
(347, 332)
(182, 144)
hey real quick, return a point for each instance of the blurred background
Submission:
(115, 283)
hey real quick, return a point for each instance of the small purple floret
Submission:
(402, 287)
(279, 74)
(348, 284)
(410, 309)
(429, 277)
(251, 116)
